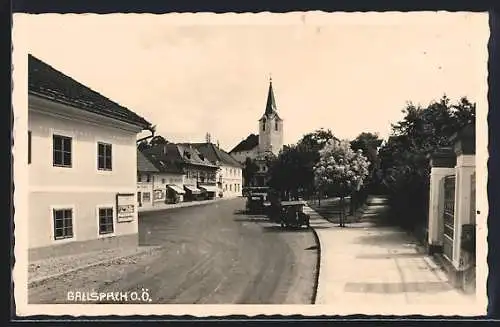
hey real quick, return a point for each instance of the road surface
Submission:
(212, 254)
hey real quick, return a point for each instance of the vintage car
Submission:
(292, 214)
(256, 203)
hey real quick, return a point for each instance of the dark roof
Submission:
(144, 164)
(47, 82)
(247, 144)
(271, 108)
(169, 161)
(171, 157)
(216, 155)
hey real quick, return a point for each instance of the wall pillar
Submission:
(436, 207)
(442, 165)
(464, 170)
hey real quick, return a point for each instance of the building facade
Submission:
(229, 176)
(264, 146)
(146, 173)
(81, 164)
(185, 173)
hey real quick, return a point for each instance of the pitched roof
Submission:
(247, 144)
(216, 155)
(166, 158)
(144, 164)
(47, 82)
(271, 108)
(190, 154)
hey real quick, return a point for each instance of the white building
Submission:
(82, 166)
(229, 176)
(269, 141)
(158, 180)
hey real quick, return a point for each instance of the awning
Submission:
(176, 189)
(192, 189)
(209, 188)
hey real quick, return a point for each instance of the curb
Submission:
(195, 204)
(40, 280)
(318, 267)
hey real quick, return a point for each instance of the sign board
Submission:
(125, 207)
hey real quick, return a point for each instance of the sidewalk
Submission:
(369, 268)
(41, 270)
(163, 206)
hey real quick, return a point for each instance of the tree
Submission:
(342, 169)
(157, 140)
(249, 170)
(288, 172)
(369, 144)
(404, 157)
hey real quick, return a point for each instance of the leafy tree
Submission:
(157, 140)
(293, 170)
(369, 143)
(143, 145)
(404, 157)
(249, 170)
(342, 169)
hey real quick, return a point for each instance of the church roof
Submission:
(271, 108)
(247, 144)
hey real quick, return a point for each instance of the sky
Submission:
(197, 73)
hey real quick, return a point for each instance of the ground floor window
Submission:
(146, 197)
(106, 221)
(63, 223)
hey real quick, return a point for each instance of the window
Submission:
(139, 178)
(29, 147)
(276, 125)
(264, 124)
(146, 197)
(104, 156)
(148, 178)
(106, 221)
(230, 187)
(61, 151)
(63, 223)
(163, 181)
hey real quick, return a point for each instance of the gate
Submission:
(449, 216)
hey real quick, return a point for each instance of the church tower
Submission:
(270, 126)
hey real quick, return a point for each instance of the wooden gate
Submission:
(449, 216)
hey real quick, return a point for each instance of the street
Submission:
(211, 254)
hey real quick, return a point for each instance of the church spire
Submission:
(271, 102)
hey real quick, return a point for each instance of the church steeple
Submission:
(271, 102)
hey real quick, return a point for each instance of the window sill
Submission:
(107, 235)
(63, 240)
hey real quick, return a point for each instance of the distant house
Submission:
(82, 165)
(168, 181)
(229, 176)
(198, 173)
(146, 173)
(268, 143)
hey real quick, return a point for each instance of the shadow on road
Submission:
(252, 219)
(279, 229)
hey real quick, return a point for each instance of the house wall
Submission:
(162, 180)
(82, 187)
(232, 181)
